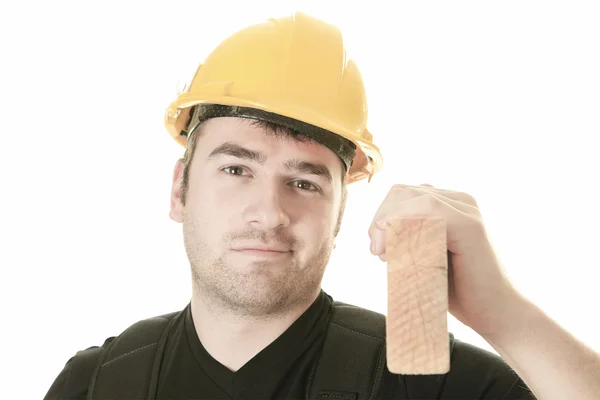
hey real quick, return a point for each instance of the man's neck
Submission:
(234, 340)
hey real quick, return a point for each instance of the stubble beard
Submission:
(265, 289)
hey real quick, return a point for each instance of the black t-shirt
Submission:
(281, 370)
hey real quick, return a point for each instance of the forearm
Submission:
(551, 361)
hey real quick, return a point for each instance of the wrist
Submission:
(516, 322)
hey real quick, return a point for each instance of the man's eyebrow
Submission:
(295, 165)
(235, 150)
(306, 167)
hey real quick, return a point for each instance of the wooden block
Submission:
(417, 320)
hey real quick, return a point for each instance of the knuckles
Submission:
(414, 191)
(406, 201)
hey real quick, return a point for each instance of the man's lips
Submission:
(262, 251)
(258, 247)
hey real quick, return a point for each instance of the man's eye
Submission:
(231, 170)
(304, 185)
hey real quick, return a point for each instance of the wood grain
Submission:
(417, 322)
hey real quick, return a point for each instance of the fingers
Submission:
(378, 242)
(404, 201)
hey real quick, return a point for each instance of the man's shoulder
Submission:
(74, 379)
(475, 373)
(365, 320)
(72, 382)
(359, 318)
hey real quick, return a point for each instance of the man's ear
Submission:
(176, 212)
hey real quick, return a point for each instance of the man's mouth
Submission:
(262, 252)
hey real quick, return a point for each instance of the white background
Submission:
(500, 100)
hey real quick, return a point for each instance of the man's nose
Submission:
(267, 208)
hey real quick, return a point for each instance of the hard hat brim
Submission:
(367, 158)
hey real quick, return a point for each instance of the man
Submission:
(274, 125)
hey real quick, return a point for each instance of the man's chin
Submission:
(260, 300)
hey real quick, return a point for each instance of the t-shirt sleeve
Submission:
(519, 391)
(480, 374)
(58, 389)
(475, 374)
(72, 382)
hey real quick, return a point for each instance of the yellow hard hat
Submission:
(292, 70)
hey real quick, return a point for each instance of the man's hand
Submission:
(480, 293)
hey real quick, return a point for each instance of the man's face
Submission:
(248, 190)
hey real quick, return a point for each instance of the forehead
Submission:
(249, 133)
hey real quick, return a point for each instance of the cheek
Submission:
(209, 206)
(209, 194)
(316, 221)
